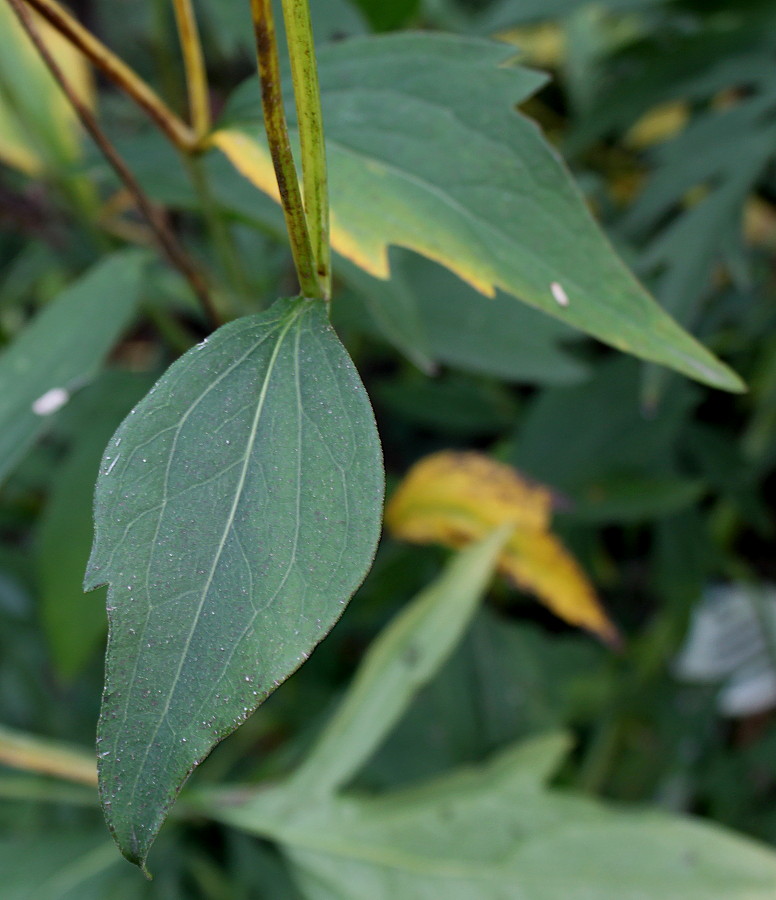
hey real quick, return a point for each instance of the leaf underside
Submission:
(237, 510)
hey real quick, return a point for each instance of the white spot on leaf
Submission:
(50, 402)
(559, 293)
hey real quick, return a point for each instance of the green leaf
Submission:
(74, 622)
(386, 309)
(595, 444)
(404, 658)
(426, 151)
(507, 680)
(435, 318)
(237, 509)
(495, 336)
(496, 832)
(62, 348)
(388, 16)
(63, 864)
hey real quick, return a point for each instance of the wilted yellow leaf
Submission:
(37, 124)
(455, 498)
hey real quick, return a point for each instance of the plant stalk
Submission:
(194, 65)
(307, 94)
(164, 235)
(33, 754)
(218, 229)
(118, 72)
(280, 148)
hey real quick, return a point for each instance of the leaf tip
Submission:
(610, 636)
(132, 846)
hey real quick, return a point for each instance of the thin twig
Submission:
(304, 73)
(280, 148)
(118, 72)
(194, 64)
(166, 238)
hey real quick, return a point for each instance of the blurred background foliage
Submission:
(666, 112)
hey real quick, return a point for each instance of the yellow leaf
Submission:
(542, 45)
(760, 223)
(38, 127)
(14, 145)
(455, 498)
(659, 124)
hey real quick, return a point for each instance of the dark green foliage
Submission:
(449, 737)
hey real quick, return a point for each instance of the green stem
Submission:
(194, 65)
(43, 790)
(34, 754)
(307, 94)
(177, 338)
(218, 229)
(597, 762)
(280, 148)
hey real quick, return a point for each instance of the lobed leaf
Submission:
(427, 152)
(237, 510)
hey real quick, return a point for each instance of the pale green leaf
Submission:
(57, 352)
(65, 864)
(38, 127)
(496, 832)
(404, 658)
(237, 510)
(426, 151)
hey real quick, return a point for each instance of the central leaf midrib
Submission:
(293, 317)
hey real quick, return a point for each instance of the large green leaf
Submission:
(435, 318)
(237, 509)
(426, 151)
(496, 832)
(63, 347)
(493, 337)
